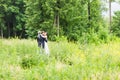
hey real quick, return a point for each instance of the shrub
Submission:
(28, 62)
(103, 36)
(72, 37)
(53, 38)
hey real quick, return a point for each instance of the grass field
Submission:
(20, 60)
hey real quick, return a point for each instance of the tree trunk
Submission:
(8, 30)
(56, 23)
(22, 33)
(14, 31)
(1, 30)
(56, 18)
(110, 15)
(89, 17)
(88, 13)
(58, 28)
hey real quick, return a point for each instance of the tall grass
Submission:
(21, 60)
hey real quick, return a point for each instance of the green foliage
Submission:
(104, 36)
(96, 38)
(89, 38)
(38, 17)
(23, 18)
(73, 37)
(95, 17)
(28, 62)
(12, 18)
(115, 29)
(57, 39)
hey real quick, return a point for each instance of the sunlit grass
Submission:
(21, 60)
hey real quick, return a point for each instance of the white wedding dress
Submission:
(46, 49)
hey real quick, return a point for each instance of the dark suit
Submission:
(41, 40)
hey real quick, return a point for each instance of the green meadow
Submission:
(21, 60)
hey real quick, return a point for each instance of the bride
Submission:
(45, 43)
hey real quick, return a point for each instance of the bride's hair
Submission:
(39, 32)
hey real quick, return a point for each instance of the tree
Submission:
(53, 16)
(110, 20)
(116, 24)
(2, 10)
(95, 16)
(57, 16)
(12, 13)
(71, 18)
(39, 16)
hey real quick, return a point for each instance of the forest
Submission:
(76, 20)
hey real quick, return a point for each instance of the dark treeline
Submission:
(12, 18)
(74, 19)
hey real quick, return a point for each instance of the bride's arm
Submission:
(45, 37)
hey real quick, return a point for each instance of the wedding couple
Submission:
(42, 42)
